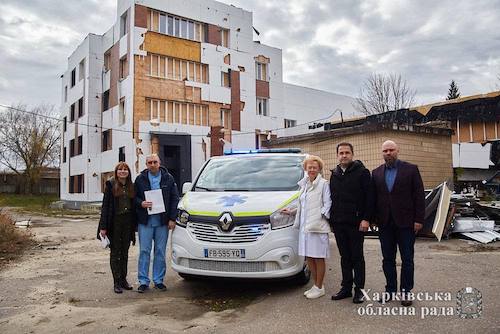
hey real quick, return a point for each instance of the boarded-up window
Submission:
(156, 21)
(170, 68)
(170, 112)
(162, 115)
(177, 69)
(225, 79)
(123, 68)
(205, 116)
(191, 71)
(154, 65)
(76, 184)
(225, 37)
(184, 70)
(162, 67)
(204, 74)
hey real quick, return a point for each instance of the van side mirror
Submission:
(186, 187)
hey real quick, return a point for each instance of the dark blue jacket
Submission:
(168, 189)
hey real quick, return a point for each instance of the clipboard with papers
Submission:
(155, 197)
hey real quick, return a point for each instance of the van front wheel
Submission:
(303, 277)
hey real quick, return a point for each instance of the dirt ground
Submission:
(64, 285)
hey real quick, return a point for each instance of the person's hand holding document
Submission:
(104, 241)
(156, 198)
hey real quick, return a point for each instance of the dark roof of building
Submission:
(480, 109)
(395, 121)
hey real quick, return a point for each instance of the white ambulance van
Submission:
(229, 222)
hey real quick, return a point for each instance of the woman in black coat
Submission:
(118, 223)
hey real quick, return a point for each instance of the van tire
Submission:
(303, 277)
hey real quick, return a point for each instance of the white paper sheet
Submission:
(104, 241)
(156, 197)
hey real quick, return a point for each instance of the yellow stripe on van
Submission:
(290, 200)
(204, 213)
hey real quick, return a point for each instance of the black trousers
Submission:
(350, 244)
(391, 237)
(120, 243)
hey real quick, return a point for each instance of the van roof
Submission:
(248, 155)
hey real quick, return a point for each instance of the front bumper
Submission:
(275, 255)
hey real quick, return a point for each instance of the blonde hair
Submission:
(312, 158)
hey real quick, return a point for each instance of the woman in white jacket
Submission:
(311, 217)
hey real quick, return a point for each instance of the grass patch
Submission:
(30, 202)
(12, 240)
(38, 204)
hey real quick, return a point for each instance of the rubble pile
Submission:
(463, 215)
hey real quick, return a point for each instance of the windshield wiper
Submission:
(203, 188)
(236, 190)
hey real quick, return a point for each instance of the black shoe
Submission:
(117, 288)
(384, 298)
(124, 284)
(405, 299)
(406, 303)
(161, 287)
(358, 296)
(142, 288)
(342, 294)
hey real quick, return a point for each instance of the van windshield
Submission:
(253, 173)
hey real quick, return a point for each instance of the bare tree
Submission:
(381, 93)
(29, 141)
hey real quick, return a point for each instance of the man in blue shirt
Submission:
(399, 214)
(154, 227)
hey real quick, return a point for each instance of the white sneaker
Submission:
(316, 293)
(311, 289)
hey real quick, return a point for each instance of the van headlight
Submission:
(281, 220)
(182, 218)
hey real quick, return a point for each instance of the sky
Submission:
(328, 45)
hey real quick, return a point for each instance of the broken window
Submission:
(121, 154)
(80, 145)
(72, 113)
(225, 82)
(290, 123)
(224, 37)
(262, 108)
(80, 107)
(261, 71)
(106, 140)
(105, 100)
(107, 60)
(73, 77)
(81, 70)
(123, 67)
(76, 184)
(123, 24)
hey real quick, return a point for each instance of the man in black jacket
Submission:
(349, 218)
(154, 227)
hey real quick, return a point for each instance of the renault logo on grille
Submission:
(225, 221)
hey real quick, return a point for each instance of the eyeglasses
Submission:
(154, 162)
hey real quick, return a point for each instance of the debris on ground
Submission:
(460, 215)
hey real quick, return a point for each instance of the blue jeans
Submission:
(147, 234)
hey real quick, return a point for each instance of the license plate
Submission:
(221, 253)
